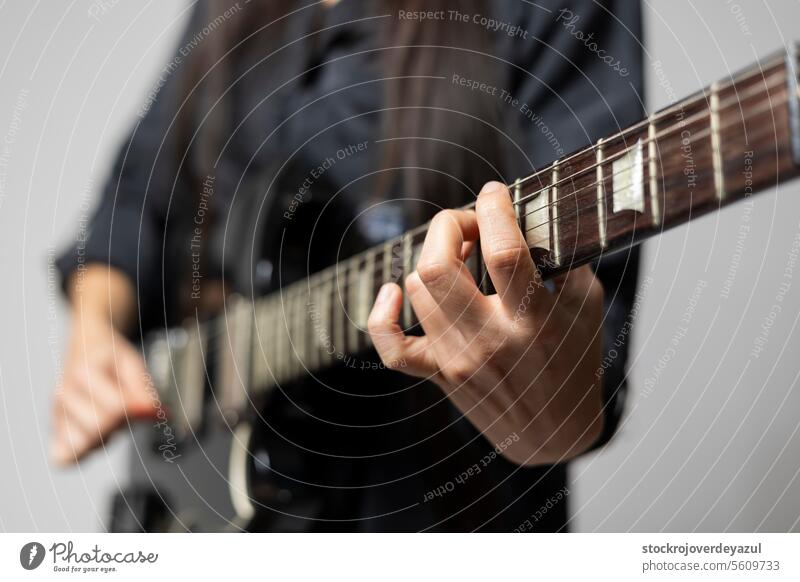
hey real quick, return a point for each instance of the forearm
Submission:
(103, 294)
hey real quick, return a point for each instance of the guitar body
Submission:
(297, 461)
(225, 479)
(253, 469)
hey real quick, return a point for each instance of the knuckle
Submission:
(390, 356)
(506, 255)
(487, 346)
(380, 329)
(459, 372)
(434, 273)
(443, 218)
(413, 284)
(393, 363)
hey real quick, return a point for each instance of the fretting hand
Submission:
(518, 363)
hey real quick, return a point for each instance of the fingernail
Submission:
(492, 187)
(383, 294)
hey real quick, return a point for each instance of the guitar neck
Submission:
(735, 138)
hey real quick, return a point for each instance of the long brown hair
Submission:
(415, 106)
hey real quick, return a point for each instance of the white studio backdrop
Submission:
(710, 440)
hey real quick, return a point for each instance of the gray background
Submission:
(712, 446)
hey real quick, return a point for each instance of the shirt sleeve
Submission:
(580, 71)
(126, 229)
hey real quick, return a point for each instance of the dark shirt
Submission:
(405, 461)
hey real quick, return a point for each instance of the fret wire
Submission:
(407, 252)
(581, 209)
(260, 374)
(291, 349)
(280, 346)
(277, 321)
(353, 306)
(753, 91)
(303, 320)
(273, 334)
(312, 306)
(590, 206)
(518, 183)
(387, 262)
(601, 196)
(696, 137)
(696, 118)
(280, 325)
(655, 206)
(318, 278)
(339, 314)
(297, 339)
(744, 77)
(327, 312)
(369, 291)
(757, 73)
(716, 151)
(692, 119)
(553, 193)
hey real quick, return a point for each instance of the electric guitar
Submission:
(208, 469)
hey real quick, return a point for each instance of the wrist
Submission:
(104, 299)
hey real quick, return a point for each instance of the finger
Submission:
(467, 248)
(411, 354)
(59, 448)
(430, 317)
(81, 414)
(88, 417)
(70, 440)
(579, 287)
(443, 272)
(137, 388)
(505, 251)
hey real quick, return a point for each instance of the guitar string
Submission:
(679, 125)
(681, 105)
(377, 251)
(593, 186)
(283, 308)
(343, 270)
(696, 137)
(571, 177)
(333, 272)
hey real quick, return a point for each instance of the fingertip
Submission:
(413, 283)
(493, 187)
(386, 293)
(385, 310)
(60, 454)
(493, 201)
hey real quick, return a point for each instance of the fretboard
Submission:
(735, 138)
